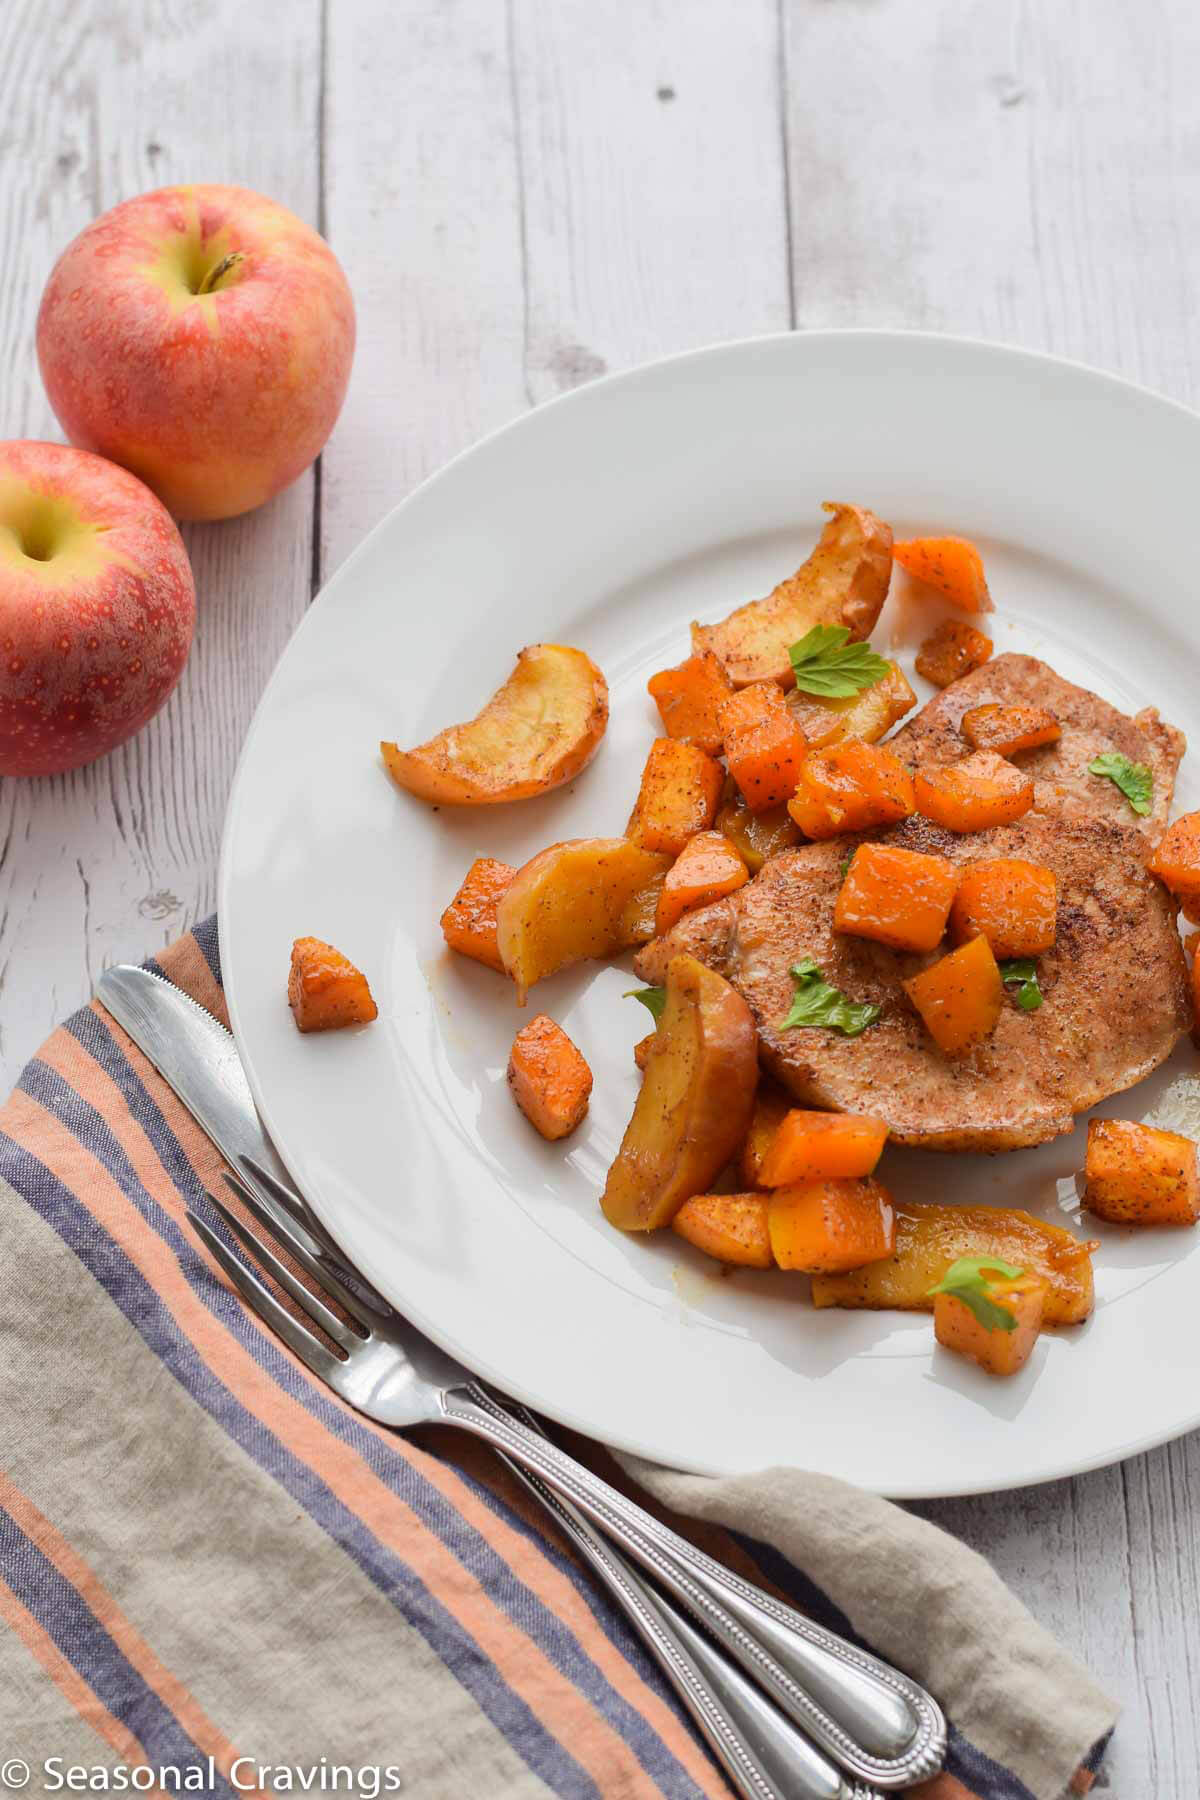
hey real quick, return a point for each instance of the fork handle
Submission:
(878, 1724)
(763, 1754)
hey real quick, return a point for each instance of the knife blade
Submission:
(199, 1059)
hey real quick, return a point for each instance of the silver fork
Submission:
(876, 1723)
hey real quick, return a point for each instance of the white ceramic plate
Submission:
(609, 520)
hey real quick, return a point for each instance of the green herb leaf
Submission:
(825, 663)
(1135, 780)
(815, 1003)
(1022, 973)
(652, 998)
(967, 1281)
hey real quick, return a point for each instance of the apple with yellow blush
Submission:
(97, 606)
(201, 336)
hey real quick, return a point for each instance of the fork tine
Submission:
(283, 1196)
(320, 1271)
(265, 1182)
(261, 1300)
(316, 1308)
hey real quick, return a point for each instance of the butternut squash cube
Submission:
(959, 997)
(469, 922)
(764, 746)
(820, 1146)
(1138, 1175)
(706, 869)
(731, 1227)
(679, 796)
(952, 651)
(325, 990)
(973, 795)
(1176, 858)
(1010, 902)
(952, 565)
(896, 897)
(1007, 729)
(549, 1078)
(999, 1349)
(828, 1226)
(852, 786)
(689, 700)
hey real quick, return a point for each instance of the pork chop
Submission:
(1115, 985)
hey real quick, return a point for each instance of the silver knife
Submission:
(765, 1756)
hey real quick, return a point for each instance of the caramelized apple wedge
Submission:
(930, 1238)
(844, 582)
(581, 898)
(695, 1103)
(536, 732)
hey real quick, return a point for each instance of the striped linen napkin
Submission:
(218, 1578)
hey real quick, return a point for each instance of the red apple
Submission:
(96, 607)
(201, 336)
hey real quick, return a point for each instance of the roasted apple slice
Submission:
(695, 1103)
(844, 582)
(930, 1238)
(584, 897)
(539, 730)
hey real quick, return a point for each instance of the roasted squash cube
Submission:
(1010, 902)
(549, 1078)
(952, 651)
(827, 1226)
(851, 786)
(1001, 1350)
(469, 922)
(959, 997)
(973, 795)
(679, 796)
(731, 1227)
(764, 746)
(325, 990)
(897, 897)
(1176, 858)
(1007, 729)
(952, 565)
(820, 1146)
(706, 869)
(1138, 1175)
(689, 700)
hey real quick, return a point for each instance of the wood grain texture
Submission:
(525, 195)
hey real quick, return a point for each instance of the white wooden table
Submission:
(526, 195)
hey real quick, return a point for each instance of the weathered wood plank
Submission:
(98, 102)
(525, 200)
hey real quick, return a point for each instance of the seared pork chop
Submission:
(1115, 986)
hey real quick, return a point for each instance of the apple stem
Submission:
(218, 272)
